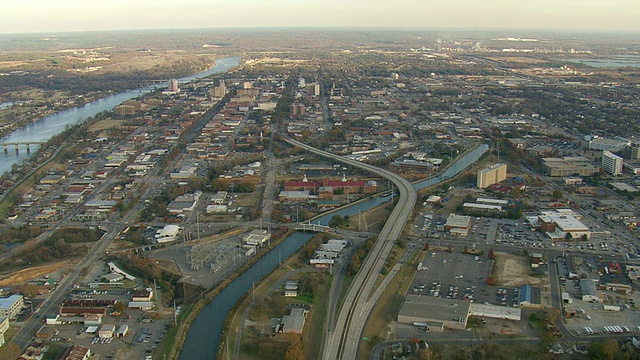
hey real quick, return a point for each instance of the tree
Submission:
(492, 254)
(121, 307)
(610, 348)
(552, 315)
(31, 290)
(556, 195)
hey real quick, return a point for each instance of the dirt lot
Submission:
(169, 265)
(513, 270)
(22, 276)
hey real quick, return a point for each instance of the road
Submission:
(342, 341)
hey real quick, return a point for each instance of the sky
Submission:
(35, 16)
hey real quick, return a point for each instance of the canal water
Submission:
(204, 334)
(49, 126)
(205, 331)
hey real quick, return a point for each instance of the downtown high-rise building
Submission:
(612, 163)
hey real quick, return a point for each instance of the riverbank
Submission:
(42, 128)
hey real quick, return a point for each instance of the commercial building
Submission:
(75, 352)
(438, 313)
(142, 295)
(608, 144)
(612, 163)
(495, 311)
(491, 175)
(569, 166)
(11, 306)
(562, 225)
(347, 186)
(458, 224)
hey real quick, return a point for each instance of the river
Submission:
(614, 62)
(205, 331)
(49, 126)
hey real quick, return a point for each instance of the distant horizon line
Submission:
(335, 27)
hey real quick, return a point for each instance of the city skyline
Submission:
(40, 16)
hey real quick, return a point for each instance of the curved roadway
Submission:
(342, 341)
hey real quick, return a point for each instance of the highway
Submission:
(341, 341)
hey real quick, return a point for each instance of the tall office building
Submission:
(611, 163)
(632, 151)
(220, 91)
(313, 89)
(173, 86)
(491, 175)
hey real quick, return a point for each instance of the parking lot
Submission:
(143, 337)
(458, 276)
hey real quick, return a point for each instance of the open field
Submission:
(35, 272)
(372, 220)
(106, 125)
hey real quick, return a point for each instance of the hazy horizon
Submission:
(45, 16)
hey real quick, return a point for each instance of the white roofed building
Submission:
(167, 234)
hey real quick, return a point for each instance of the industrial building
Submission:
(294, 322)
(438, 313)
(106, 331)
(569, 166)
(612, 163)
(589, 290)
(11, 306)
(256, 237)
(485, 208)
(529, 297)
(491, 175)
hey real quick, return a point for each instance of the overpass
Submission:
(17, 144)
(342, 340)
